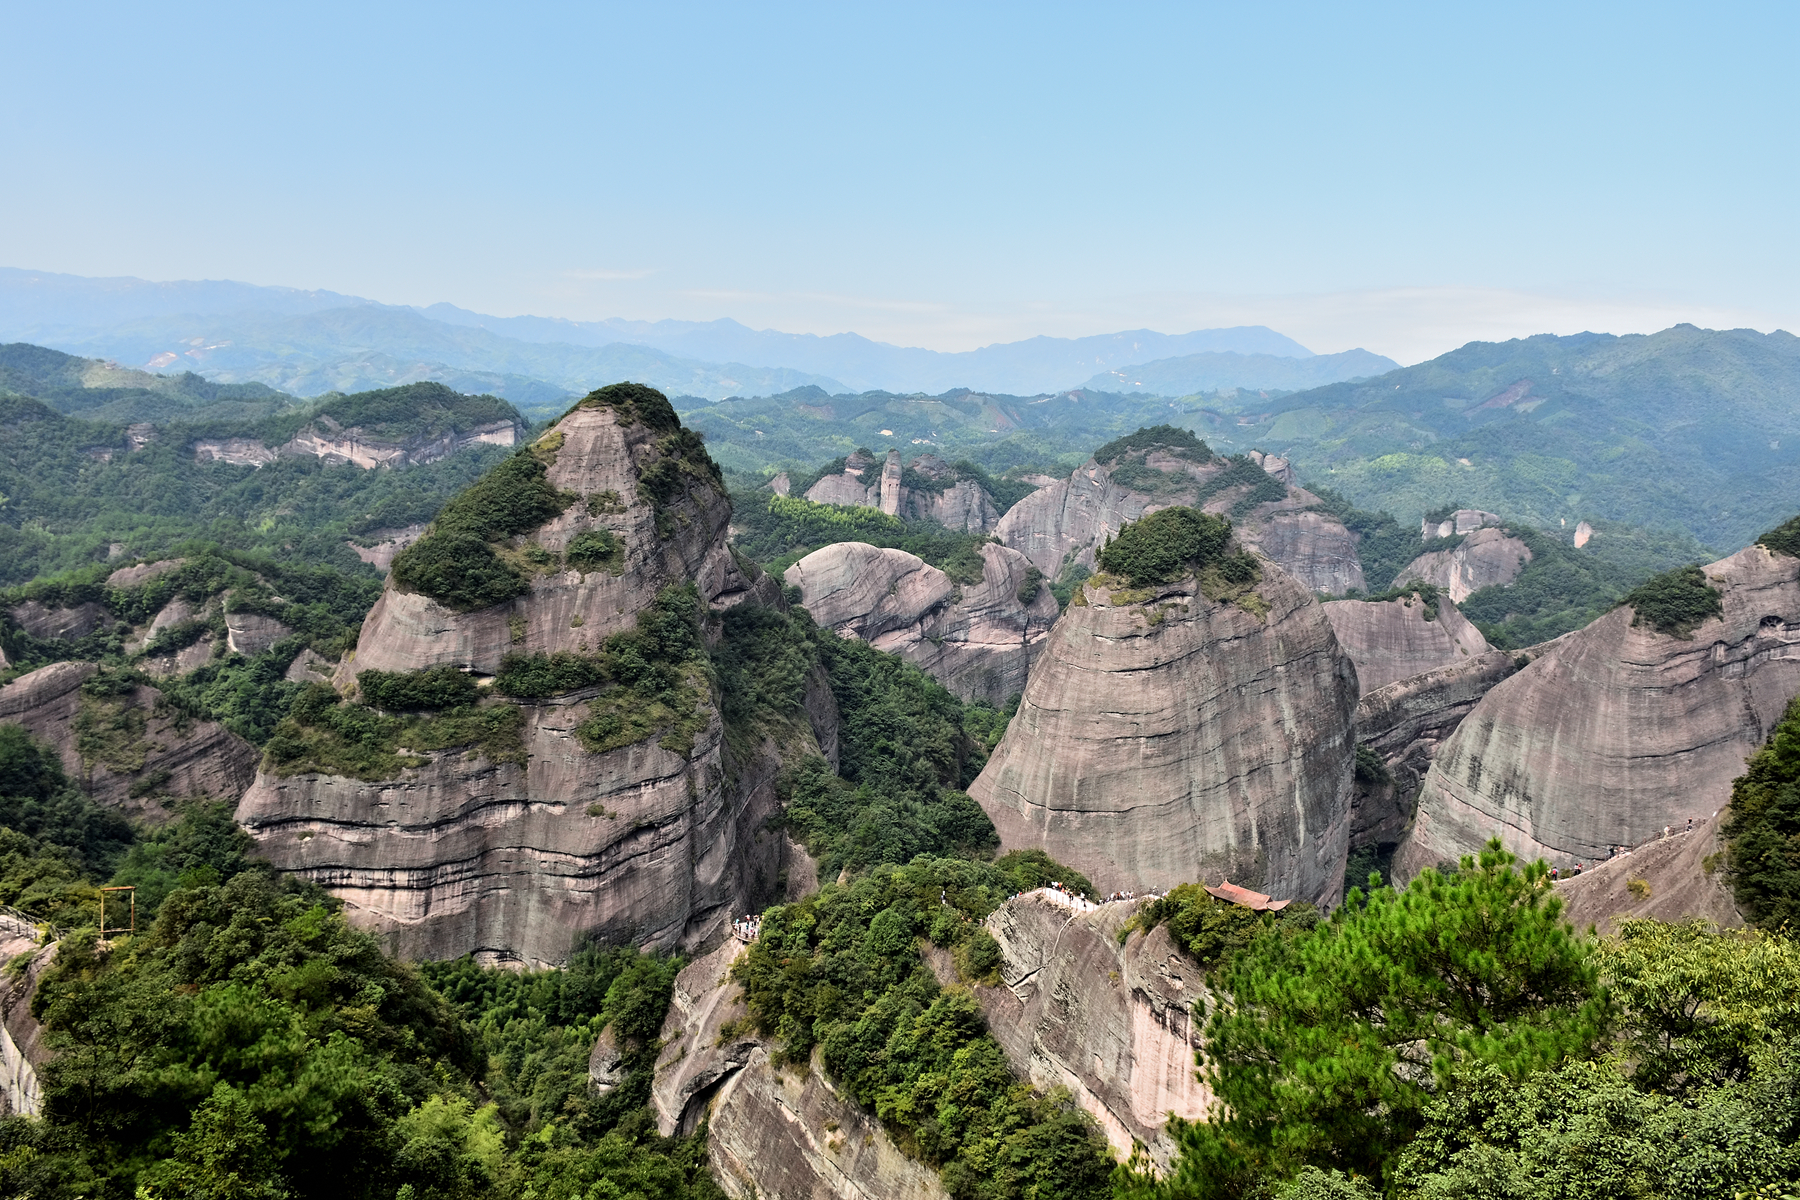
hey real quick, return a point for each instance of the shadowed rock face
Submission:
(1484, 558)
(40, 620)
(1615, 732)
(1063, 524)
(1112, 1023)
(155, 752)
(640, 845)
(1173, 739)
(1390, 640)
(977, 639)
(786, 1133)
(1405, 722)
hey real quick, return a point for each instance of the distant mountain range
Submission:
(308, 342)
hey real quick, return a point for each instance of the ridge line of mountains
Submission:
(309, 342)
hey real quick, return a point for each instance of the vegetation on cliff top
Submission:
(1172, 542)
(1457, 1039)
(1675, 603)
(841, 970)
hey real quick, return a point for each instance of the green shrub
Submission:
(1783, 539)
(1180, 443)
(1210, 929)
(324, 734)
(1676, 602)
(592, 550)
(537, 676)
(841, 970)
(438, 687)
(633, 402)
(458, 570)
(1165, 545)
(1028, 870)
(1762, 829)
(1031, 585)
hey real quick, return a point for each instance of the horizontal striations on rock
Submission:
(770, 1132)
(513, 852)
(123, 747)
(1616, 730)
(1391, 640)
(1113, 1022)
(1487, 557)
(1164, 737)
(976, 639)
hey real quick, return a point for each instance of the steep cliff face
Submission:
(1391, 640)
(1112, 1022)
(511, 856)
(1616, 731)
(124, 748)
(1681, 877)
(1404, 723)
(22, 1049)
(1164, 737)
(977, 639)
(331, 442)
(598, 459)
(771, 1133)
(953, 502)
(1484, 558)
(1062, 525)
(77, 621)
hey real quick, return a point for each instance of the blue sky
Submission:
(1400, 177)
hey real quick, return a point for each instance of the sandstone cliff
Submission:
(1616, 731)
(1113, 1023)
(331, 442)
(1062, 525)
(953, 502)
(1391, 640)
(1484, 558)
(771, 1133)
(1404, 723)
(977, 639)
(125, 748)
(1164, 737)
(513, 858)
(600, 460)
(1680, 876)
(22, 1049)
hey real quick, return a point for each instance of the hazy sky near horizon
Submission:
(1403, 177)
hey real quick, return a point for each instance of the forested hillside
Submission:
(1689, 428)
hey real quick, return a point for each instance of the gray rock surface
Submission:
(330, 442)
(22, 1049)
(639, 845)
(1463, 520)
(773, 1134)
(180, 757)
(1616, 731)
(978, 640)
(568, 610)
(1063, 524)
(1390, 640)
(251, 634)
(142, 573)
(1113, 1023)
(1484, 558)
(76, 621)
(1172, 738)
(1684, 875)
(1405, 722)
(381, 554)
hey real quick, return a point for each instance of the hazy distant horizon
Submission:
(1390, 177)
